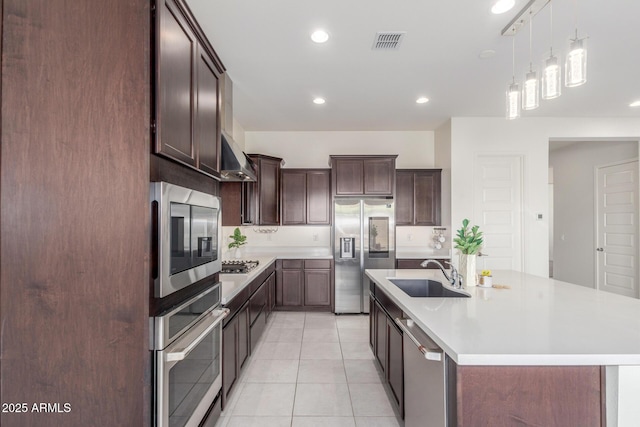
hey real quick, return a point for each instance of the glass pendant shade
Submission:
(513, 101)
(575, 71)
(530, 94)
(551, 78)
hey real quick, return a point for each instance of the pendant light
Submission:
(575, 70)
(513, 91)
(530, 94)
(551, 70)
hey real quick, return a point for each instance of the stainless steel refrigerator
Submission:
(364, 238)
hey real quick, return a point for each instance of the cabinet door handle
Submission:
(600, 249)
(429, 353)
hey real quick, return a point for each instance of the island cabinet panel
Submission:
(363, 175)
(530, 395)
(305, 285)
(188, 72)
(386, 341)
(418, 197)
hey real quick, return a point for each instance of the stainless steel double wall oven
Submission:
(187, 335)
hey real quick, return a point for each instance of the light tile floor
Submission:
(311, 370)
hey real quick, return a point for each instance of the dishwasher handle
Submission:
(432, 352)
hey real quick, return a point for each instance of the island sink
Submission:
(426, 288)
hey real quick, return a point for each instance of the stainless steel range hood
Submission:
(235, 164)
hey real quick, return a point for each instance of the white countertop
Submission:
(232, 284)
(538, 321)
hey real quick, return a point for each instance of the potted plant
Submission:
(238, 239)
(468, 242)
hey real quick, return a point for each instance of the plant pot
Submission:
(467, 268)
(237, 253)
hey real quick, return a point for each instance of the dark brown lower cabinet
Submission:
(305, 285)
(386, 341)
(244, 327)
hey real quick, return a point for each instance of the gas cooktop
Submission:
(238, 266)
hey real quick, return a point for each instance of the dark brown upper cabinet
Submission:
(418, 194)
(363, 175)
(261, 199)
(306, 197)
(187, 90)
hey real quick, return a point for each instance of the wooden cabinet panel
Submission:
(271, 283)
(258, 302)
(292, 264)
(418, 195)
(349, 175)
(261, 199)
(379, 176)
(257, 329)
(187, 91)
(317, 287)
(363, 175)
(229, 359)
(176, 85)
(381, 337)
(427, 198)
(319, 197)
(243, 337)
(395, 371)
(404, 198)
(269, 195)
(294, 197)
(207, 117)
(292, 287)
(317, 264)
(372, 323)
(530, 395)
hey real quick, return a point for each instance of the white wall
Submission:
(574, 205)
(286, 238)
(528, 137)
(312, 149)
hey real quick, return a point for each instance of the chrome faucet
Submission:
(455, 279)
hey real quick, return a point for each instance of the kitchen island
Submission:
(538, 329)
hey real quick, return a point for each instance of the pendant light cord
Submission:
(530, 40)
(576, 16)
(550, 28)
(513, 56)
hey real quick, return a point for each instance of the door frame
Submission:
(596, 197)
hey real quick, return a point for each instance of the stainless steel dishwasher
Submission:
(425, 388)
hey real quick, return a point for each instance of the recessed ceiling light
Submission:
(486, 54)
(422, 100)
(635, 104)
(319, 36)
(319, 101)
(502, 6)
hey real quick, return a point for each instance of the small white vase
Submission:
(467, 268)
(237, 253)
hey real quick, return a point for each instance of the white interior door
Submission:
(498, 211)
(617, 228)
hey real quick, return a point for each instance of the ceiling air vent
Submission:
(388, 40)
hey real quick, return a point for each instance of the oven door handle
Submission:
(182, 353)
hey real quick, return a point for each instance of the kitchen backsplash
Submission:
(320, 236)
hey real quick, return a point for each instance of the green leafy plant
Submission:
(239, 239)
(468, 241)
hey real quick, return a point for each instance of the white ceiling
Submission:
(277, 70)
